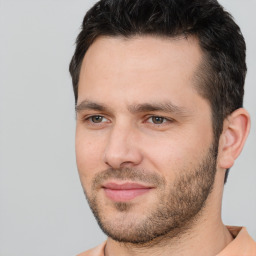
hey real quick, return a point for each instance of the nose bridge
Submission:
(122, 147)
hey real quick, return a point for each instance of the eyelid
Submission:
(88, 118)
(166, 119)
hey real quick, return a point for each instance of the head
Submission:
(222, 73)
(130, 58)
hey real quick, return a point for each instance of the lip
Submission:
(125, 191)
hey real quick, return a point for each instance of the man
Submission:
(159, 93)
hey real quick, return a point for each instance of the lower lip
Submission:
(124, 195)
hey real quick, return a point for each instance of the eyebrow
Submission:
(167, 107)
(89, 105)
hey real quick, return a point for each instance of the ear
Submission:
(235, 131)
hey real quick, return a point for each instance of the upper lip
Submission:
(125, 186)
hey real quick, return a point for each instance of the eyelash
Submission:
(89, 119)
(164, 120)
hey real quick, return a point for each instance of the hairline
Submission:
(200, 77)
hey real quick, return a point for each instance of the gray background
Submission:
(43, 211)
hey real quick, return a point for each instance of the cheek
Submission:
(163, 155)
(175, 153)
(88, 156)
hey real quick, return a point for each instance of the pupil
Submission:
(97, 119)
(157, 120)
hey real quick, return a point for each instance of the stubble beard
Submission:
(175, 211)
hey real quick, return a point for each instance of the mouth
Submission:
(125, 191)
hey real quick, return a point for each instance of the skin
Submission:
(117, 75)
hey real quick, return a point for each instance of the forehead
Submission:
(139, 66)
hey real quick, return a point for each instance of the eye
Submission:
(97, 119)
(157, 120)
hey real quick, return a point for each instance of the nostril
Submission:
(123, 158)
(122, 149)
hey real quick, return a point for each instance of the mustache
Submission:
(131, 174)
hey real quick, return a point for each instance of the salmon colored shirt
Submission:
(242, 245)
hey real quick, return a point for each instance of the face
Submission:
(144, 139)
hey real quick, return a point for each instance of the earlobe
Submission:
(235, 131)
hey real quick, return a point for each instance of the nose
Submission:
(122, 149)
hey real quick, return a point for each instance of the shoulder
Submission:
(242, 245)
(96, 251)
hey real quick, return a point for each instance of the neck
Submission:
(213, 238)
(205, 236)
